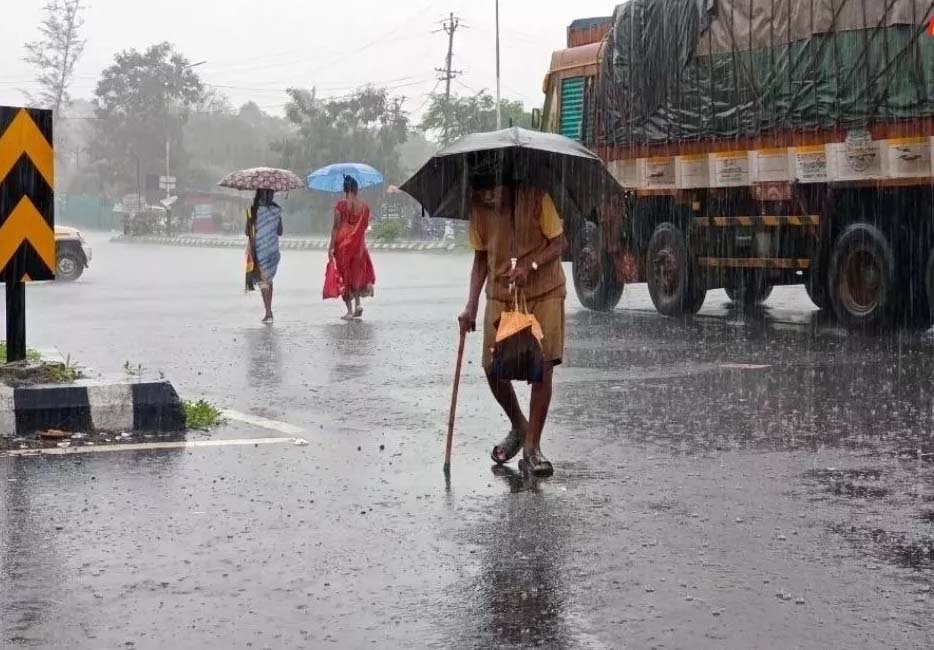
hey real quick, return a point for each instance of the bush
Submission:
(201, 415)
(389, 231)
(32, 356)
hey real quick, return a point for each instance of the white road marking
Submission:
(153, 446)
(744, 366)
(272, 425)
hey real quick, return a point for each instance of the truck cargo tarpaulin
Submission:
(683, 70)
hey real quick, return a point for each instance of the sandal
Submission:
(536, 464)
(358, 314)
(509, 448)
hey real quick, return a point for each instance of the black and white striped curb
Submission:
(95, 408)
(285, 244)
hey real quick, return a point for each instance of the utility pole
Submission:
(168, 168)
(499, 109)
(448, 74)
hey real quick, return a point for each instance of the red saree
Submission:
(350, 251)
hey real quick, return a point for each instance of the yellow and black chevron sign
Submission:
(27, 195)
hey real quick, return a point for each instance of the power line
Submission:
(300, 55)
(428, 97)
(470, 88)
(398, 82)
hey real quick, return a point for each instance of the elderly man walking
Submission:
(519, 222)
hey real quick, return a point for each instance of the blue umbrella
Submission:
(331, 178)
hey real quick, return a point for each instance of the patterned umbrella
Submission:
(263, 178)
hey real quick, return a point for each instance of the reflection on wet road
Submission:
(735, 481)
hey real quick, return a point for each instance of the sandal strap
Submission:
(510, 446)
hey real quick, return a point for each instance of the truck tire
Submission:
(862, 278)
(69, 265)
(673, 283)
(595, 279)
(749, 290)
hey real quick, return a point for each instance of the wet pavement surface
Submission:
(738, 481)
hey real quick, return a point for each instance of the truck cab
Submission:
(569, 89)
(569, 84)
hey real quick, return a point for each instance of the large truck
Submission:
(757, 143)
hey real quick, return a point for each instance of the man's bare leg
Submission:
(538, 411)
(506, 396)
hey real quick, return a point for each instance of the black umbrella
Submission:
(575, 177)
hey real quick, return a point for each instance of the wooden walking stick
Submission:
(457, 385)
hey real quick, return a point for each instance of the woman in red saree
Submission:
(348, 249)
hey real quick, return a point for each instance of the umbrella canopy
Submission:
(575, 177)
(331, 178)
(263, 178)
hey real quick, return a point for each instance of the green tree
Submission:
(142, 102)
(367, 127)
(472, 114)
(54, 55)
(415, 152)
(219, 139)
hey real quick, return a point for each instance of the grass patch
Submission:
(32, 356)
(36, 371)
(202, 415)
(64, 373)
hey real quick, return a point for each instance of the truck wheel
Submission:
(862, 278)
(749, 290)
(68, 266)
(673, 282)
(595, 278)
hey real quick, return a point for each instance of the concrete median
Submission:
(287, 243)
(93, 406)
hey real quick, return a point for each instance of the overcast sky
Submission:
(255, 49)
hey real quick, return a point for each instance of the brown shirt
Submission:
(494, 230)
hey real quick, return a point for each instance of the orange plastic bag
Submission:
(517, 354)
(333, 282)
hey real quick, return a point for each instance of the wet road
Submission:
(735, 482)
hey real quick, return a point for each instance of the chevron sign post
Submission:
(27, 207)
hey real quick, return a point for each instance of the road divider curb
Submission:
(154, 446)
(91, 407)
(285, 244)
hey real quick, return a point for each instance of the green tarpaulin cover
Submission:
(682, 70)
